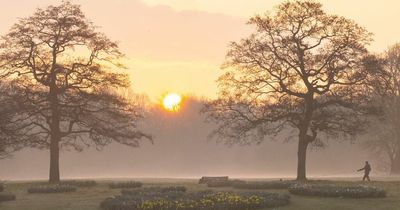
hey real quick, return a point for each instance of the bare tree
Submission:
(299, 72)
(69, 80)
(384, 137)
(8, 110)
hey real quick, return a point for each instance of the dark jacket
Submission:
(367, 168)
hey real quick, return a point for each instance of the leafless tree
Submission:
(384, 82)
(8, 110)
(299, 72)
(68, 78)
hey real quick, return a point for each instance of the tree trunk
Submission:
(395, 166)
(54, 175)
(55, 136)
(304, 139)
(301, 159)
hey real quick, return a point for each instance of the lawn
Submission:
(89, 198)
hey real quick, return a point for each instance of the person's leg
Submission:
(365, 176)
(368, 178)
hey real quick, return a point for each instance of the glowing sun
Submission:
(172, 102)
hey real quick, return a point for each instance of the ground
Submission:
(89, 198)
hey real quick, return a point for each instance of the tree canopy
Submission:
(70, 79)
(300, 70)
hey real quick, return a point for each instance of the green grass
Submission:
(89, 198)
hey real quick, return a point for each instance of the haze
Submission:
(178, 46)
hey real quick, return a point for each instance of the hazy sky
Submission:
(179, 45)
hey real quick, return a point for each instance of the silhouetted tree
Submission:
(8, 110)
(70, 82)
(384, 83)
(300, 72)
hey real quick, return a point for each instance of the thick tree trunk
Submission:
(304, 139)
(55, 137)
(54, 175)
(301, 159)
(395, 166)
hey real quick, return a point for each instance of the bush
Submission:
(330, 190)
(80, 183)
(126, 185)
(157, 199)
(7, 197)
(263, 185)
(56, 188)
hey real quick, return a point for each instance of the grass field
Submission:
(89, 198)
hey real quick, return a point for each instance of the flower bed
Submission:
(358, 191)
(208, 179)
(202, 200)
(263, 185)
(80, 183)
(159, 192)
(131, 184)
(56, 188)
(7, 197)
(224, 183)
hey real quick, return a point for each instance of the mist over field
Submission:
(181, 149)
(199, 105)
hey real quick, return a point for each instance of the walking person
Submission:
(366, 169)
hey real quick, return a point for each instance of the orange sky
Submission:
(179, 45)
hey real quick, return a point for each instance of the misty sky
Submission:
(179, 45)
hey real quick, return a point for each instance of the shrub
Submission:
(130, 184)
(263, 185)
(80, 183)
(7, 197)
(56, 188)
(146, 199)
(330, 190)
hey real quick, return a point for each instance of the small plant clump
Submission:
(263, 185)
(159, 191)
(330, 190)
(56, 188)
(159, 199)
(173, 189)
(208, 179)
(7, 197)
(131, 184)
(80, 183)
(225, 183)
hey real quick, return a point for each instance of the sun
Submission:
(172, 102)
